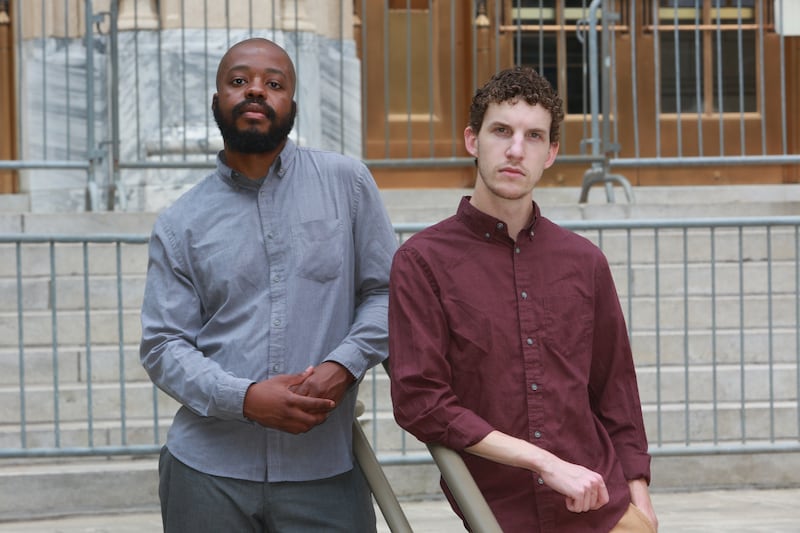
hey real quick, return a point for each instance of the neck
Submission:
(515, 213)
(252, 166)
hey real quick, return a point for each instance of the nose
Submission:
(515, 148)
(255, 89)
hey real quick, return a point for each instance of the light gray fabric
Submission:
(251, 279)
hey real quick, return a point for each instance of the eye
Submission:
(501, 130)
(237, 82)
(274, 85)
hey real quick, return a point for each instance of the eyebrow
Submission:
(270, 70)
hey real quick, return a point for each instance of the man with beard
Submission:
(265, 304)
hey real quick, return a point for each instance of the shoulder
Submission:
(330, 161)
(565, 240)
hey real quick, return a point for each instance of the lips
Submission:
(512, 171)
(254, 109)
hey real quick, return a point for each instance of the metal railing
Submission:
(712, 307)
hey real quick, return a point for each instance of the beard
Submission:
(251, 141)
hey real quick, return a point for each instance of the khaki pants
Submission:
(634, 521)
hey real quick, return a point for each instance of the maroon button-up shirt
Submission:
(524, 337)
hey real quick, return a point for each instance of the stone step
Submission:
(104, 292)
(71, 327)
(72, 364)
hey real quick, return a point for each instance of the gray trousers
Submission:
(198, 502)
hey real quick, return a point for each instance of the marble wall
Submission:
(168, 137)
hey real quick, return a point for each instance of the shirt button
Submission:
(529, 341)
(276, 278)
(534, 387)
(499, 225)
(275, 368)
(276, 322)
(487, 235)
(517, 250)
(540, 481)
(270, 235)
(537, 434)
(524, 295)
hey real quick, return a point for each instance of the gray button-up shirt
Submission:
(251, 279)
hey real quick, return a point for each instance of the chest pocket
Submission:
(320, 249)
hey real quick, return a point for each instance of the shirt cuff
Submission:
(229, 398)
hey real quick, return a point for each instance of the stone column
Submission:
(295, 16)
(137, 15)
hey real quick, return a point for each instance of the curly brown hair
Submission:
(517, 83)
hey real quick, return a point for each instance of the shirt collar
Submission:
(278, 169)
(488, 227)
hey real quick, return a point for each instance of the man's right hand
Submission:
(272, 403)
(584, 489)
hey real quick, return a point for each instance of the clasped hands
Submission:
(295, 403)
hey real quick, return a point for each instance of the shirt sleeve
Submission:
(374, 244)
(171, 320)
(613, 386)
(422, 395)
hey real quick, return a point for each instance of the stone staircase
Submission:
(47, 486)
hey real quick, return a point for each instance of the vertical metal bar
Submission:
(698, 76)
(432, 152)
(714, 366)
(634, 80)
(720, 102)
(44, 83)
(657, 74)
(88, 338)
(770, 335)
(206, 70)
(161, 98)
(91, 143)
(23, 425)
(453, 127)
(68, 95)
(678, 102)
(686, 362)
(136, 77)
(250, 18)
(762, 86)
(298, 66)
(782, 54)
(630, 282)
(54, 338)
(386, 88)
(518, 36)
(121, 349)
(742, 381)
(341, 78)
(116, 191)
(474, 38)
(497, 22)
(656, 292)
(364, 77)
(739, 48)
(183, 78)
(409, 132)
(797, 323)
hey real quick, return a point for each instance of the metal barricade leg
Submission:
(384, 495)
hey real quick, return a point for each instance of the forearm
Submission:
(584, 489)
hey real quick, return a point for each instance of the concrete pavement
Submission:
(729, 511)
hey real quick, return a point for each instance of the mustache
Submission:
(264, 107)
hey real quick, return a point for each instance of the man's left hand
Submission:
(640, 497)
(330, 380)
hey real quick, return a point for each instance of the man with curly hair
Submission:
(508, 343)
